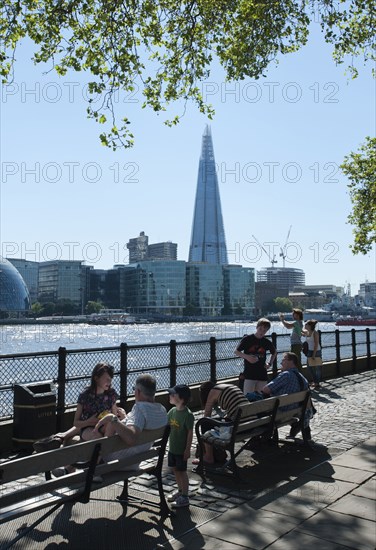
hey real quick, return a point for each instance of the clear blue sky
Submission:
(277, 144)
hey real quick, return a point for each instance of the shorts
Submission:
(310, 353)
(177, 461)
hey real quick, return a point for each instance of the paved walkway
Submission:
(290, 498)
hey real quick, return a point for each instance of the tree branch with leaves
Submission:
(360, 168)
(167, 47)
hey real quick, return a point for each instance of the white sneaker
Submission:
(173, 496)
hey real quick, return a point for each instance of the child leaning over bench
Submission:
(181, 422)
(228, 398)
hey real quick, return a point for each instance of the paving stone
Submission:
(353, 505)
(334, 471)
(236, 500)
(363, 462)
(354, 533)
(292, 542)
(367, 490)
(248, 528)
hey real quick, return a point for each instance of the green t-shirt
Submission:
(180, 422)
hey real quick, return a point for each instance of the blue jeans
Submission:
(315, 371)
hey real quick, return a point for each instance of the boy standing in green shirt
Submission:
(181, 421)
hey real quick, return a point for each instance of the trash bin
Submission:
(34, 412)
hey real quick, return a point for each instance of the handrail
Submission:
(171, 362)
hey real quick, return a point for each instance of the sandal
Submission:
(47, 444)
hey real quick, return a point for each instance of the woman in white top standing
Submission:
(314, 359)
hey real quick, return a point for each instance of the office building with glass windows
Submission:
(284, 278)
(208, 243)
(205, 289)
(64, 280)
(155, 287)
(239, 290)
(14, 295)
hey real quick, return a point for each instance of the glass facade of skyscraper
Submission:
(155, 287)
(239, 289)
(63, 280)
(204, 289)
(208, 243)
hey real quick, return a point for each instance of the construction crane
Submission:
(283, 250)
(272, 260)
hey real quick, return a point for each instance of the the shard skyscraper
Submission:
(208, 243)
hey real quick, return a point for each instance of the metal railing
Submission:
(171, 363)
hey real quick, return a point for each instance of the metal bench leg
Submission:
(123, 497)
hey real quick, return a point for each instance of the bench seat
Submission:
(43, 492)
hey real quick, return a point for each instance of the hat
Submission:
(182, 390)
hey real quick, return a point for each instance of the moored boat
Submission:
(356, 321)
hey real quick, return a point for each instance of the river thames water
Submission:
(38, 338)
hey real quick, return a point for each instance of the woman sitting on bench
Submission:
(96, 401)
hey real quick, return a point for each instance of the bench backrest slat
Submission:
(288, 399)
(43, 462)
(258, 407)
(252, 424)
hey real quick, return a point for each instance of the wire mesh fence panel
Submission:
(6, 404)
(83, 361)
(229, 368)
(33, 368)
(226, 348)
(283, 343)
(145, 358)
(193, 374)
(191, 352)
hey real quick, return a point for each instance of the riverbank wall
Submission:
(330, 370)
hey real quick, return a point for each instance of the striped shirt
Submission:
(230, 398)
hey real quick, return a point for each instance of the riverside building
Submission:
(14, 295)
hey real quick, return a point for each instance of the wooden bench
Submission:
(267, 416)
(44, 492)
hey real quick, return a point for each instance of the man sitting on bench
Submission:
(146, 414)
(290, 380)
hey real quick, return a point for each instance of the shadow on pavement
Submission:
(267, 465)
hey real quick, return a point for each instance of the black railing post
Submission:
(275, 363)
(213, 359)
(320, 336)
(353, 346)
(368, 345)
(61, 380)
(338, 353)
(123, 373)
(173, 365)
